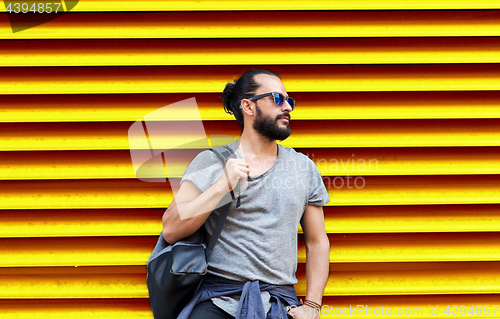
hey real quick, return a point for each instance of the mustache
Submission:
(282, 115)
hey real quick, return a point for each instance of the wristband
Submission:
(312, 304)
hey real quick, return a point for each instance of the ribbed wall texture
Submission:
(400, 99)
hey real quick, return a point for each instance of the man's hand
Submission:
(236, 169)
(304, 312)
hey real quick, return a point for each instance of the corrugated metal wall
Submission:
(403, 95)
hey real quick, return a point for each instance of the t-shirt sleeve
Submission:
(203, 171)
(318, 195)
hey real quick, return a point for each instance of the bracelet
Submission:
(312, 304)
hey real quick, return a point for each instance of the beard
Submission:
(269, 128)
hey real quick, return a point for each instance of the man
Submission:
(279, 189)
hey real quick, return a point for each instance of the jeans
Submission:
(207, 310)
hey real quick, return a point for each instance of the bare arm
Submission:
(317, 258)
(191, 208)
(317, 252)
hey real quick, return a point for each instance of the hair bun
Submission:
(227, 96)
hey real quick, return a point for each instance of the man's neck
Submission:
(254, 144)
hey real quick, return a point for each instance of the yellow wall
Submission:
(409, 88)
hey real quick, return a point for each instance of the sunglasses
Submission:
(279, 99)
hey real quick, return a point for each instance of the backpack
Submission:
(174, 272)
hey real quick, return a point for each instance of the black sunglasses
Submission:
(279, 99)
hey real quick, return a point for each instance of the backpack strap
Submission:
(228, 153)
(223, 156)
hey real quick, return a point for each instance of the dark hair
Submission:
(242, 88)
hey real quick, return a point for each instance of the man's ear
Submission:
(247, 107)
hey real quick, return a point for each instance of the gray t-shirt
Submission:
(259, 239)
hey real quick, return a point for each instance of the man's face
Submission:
(271, 121)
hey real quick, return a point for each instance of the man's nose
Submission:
(286, 107)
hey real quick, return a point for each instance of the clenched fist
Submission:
(235, 170)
